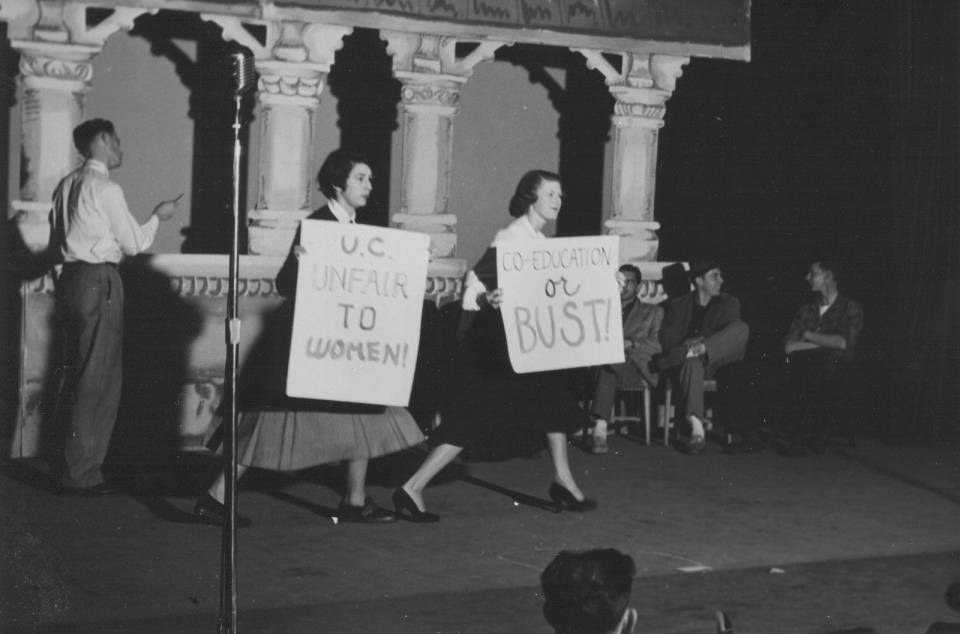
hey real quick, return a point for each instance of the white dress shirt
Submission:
(90, 221)
(341, 214)
(519, 229)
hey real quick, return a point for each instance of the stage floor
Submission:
(853, 538)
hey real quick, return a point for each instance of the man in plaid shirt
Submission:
(819, 346)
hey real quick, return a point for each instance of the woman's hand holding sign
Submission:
(493, 298)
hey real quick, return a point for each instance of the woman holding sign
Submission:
(282, 433)
(490, 409)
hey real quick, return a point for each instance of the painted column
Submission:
(288, 94)
(292, 66)
(641, 89)
(431, 76)
(54, 81)
(56, 50)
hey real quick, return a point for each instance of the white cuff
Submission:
(472, 288)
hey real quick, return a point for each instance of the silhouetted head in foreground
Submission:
(588, 592)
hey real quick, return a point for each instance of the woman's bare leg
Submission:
(438, 458)
(557, 443)
(356, 494)
(217, 490)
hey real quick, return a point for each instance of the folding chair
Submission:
(666, 415)
(620, 417)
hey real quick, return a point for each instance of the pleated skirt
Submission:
(288, 440)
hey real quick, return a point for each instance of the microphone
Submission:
(241, 67)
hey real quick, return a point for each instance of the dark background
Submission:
(840, 137)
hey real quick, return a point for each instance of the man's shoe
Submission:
(95, 491)
(210, 511)
(369, 513)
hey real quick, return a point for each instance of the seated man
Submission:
(819, 347)
(588, 592)
(641, 326)
(701, 332)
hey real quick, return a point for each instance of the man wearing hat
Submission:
(701, 332)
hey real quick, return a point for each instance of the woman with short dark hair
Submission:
(488, 408)
(282, 433)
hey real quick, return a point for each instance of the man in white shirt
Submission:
(91, 230)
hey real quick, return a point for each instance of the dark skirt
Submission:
(493, 412)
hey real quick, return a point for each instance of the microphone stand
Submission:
(228, 572)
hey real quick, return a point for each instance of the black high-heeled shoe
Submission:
(566, 501)
(407, 509)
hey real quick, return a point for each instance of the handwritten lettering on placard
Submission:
(356, 325)
(561, 303)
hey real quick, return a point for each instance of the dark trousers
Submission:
(817, 382)
(609, 379)
(631, 373)
(723, 348)
(90, 303)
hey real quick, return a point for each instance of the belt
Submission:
(76, 264)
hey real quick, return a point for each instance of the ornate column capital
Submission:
(64, 22)
(429, 70)
(294, 59)
(436, 54)
(440, 93)
(66, 65)
(659, 72)
(285, 40)
(641, 86)
(291, 83)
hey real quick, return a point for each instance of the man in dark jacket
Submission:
(701, 332)
(819, 346)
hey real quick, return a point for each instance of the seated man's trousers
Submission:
(723, 347)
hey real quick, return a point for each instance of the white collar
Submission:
(99, 166)
(341, 214)
(519, 229)
(523, 223)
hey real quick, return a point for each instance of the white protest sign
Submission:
(561, 302)
(356, 323)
